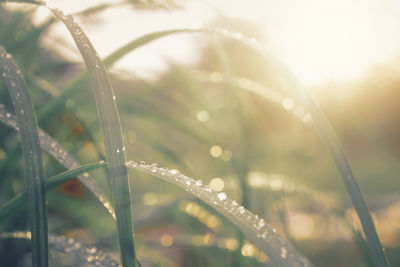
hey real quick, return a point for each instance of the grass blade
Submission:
(319, 121)
(256, 230)
(70, 246)
(50, 145)
(112, 138)
(18, 202)
(32, 156)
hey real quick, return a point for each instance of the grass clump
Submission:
(207, 122)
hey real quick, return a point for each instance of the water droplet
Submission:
(8, 56)
(4, 74)
(114, 97)
(154, 168)
(241, 209)
(261, 223)
(8, 115)
(90, 258)
(102, 161)
(188, 182)
(22, 111)
(76, 246)
(283, 253)
(221, 196)
(118, 150)
(91, 250)
(123, 148)
(18, 72)
(199, 183)
(173, 171)
(13, 85)
(288, 104)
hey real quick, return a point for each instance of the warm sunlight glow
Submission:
(321, 41)
(331, 40)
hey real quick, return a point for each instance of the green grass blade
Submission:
(256, 230)
(145, 39)
(327, 134)
(50, 145)
(32, 155)
(18, 202)
(70, 246)
(110, 60)
(112, 138)
(321, 124)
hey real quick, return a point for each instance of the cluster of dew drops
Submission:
(91, 254)
(218, 200)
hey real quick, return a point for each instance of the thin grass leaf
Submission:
(50, 145)
(32, 153)
(19, 201)
(320, 123)
(112, 137)
(287, 187)
(70, 246)
(254, 87)
(255, 229)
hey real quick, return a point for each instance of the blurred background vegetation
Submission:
(198, 119)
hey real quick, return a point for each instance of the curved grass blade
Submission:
(322, 127)
(256, 230)
(112, 137)
(254, 87)
(32, 153)
(50, 145)
(18, 202)
(70, 246)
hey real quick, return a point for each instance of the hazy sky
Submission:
(321, 40)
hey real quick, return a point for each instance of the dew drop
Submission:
(283, 253)
(102, 161)
(118, 150)
(241, 209)
(90, 258)
(221, 196)
(91, 250)
(114, 97)
(173, 172)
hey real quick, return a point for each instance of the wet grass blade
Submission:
(112, 138)
(255, 228)
(50, 145)
(19, 201)
(32, 154)
(110, 60)
(70, 246)
(321, 124)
